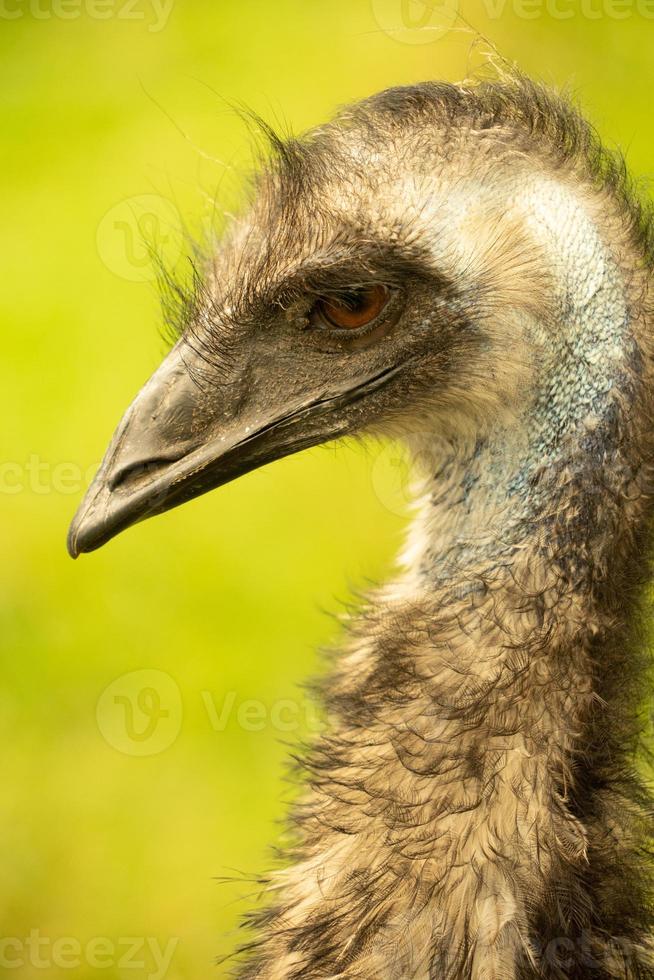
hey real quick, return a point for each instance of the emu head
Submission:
(381, 281)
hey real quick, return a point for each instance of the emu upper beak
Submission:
(177, 441)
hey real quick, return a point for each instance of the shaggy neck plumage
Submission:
(514, 548)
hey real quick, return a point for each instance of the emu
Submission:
(467, 268)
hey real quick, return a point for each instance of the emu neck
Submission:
(521, 562)
(527, 479)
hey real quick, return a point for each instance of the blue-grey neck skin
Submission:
(487, 492)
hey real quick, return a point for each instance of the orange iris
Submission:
(360, 308)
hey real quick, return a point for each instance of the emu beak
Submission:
(177, 441)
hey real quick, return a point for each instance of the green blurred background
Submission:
(115, 821)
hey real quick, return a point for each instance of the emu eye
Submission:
(355, 310)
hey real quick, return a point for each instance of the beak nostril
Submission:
(133, 475)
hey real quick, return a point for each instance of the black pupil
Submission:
(356, 301)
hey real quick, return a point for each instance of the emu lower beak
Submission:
(177, 441)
